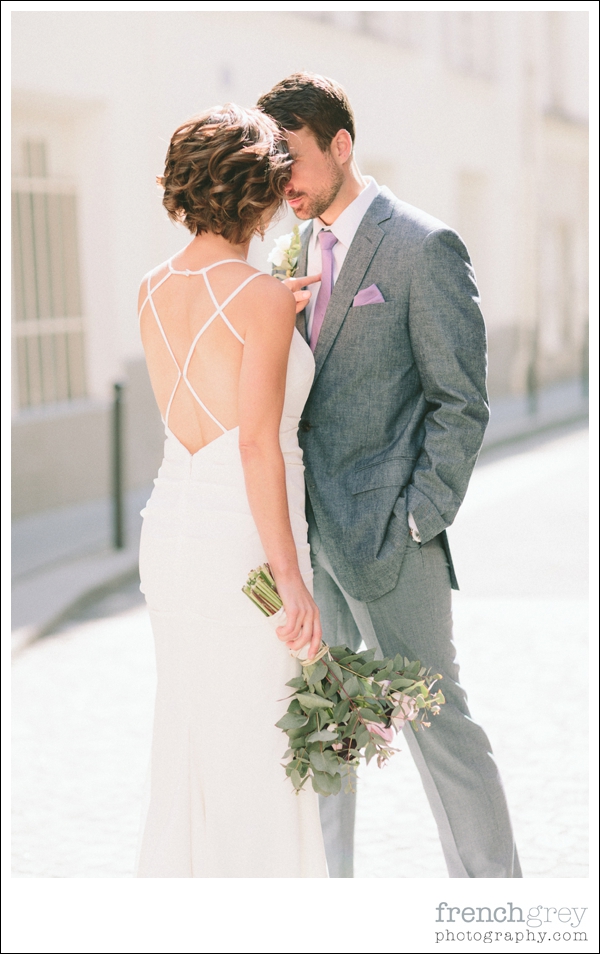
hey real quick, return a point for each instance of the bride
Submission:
(231, 376)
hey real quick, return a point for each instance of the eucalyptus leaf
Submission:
(309, 700)
(335, 784)
(366, 714)
(335, 670)
(326, 784)
(341, 710)
(331, 691)
(338, 652)
(363, 736)
(355, 657)
(369, 668)
(318, 672)
(369, 716)
(298, 682)
(324, 735)
(352, 687)
(370, 751)
(401, 683)
(299, 730)
(298, 743)
(324, 761)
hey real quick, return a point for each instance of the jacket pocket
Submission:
(385, 309)
(393, 472)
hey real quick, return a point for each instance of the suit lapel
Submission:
(364, 245)
(300, 271)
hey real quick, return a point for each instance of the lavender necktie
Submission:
(326, 240)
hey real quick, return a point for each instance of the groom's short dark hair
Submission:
(311, 100)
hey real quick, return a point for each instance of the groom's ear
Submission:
(341, 147)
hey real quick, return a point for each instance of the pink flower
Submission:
(408, 710)
(386, 733)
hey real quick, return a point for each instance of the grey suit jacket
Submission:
(398, 409)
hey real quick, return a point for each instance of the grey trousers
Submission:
(454, 756)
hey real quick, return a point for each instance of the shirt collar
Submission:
(346, 225)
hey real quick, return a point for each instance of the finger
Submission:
(295, 284)
(284, 632)
(302, 299)
(304, 632)
(293, 627)
(303, 637)
(317, 638)
(298, 628)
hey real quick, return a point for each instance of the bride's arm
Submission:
(269, 329)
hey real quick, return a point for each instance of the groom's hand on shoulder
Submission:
(296, 286)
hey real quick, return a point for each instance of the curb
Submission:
(543, 427)
(47, 610)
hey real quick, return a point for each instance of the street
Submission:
(83, 697)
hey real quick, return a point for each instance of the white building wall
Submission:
(476, 117)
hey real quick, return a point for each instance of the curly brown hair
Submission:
(225, 172)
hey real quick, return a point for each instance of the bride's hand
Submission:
(303, 624)
(296, 286)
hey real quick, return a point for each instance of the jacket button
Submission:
(305, 426)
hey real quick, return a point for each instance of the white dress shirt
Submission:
(344, 228)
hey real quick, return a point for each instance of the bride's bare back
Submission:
(193, 324)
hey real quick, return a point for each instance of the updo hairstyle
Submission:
(225, 172)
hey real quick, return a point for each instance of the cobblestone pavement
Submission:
(83, 697)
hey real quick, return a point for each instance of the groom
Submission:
(391, 432)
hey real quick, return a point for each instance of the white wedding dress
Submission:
(220, 804)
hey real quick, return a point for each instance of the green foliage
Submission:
(342, 698)
(291, 720)
(334, 702)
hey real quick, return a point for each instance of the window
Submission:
(47, 312)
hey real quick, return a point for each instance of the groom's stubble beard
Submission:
(319, 202)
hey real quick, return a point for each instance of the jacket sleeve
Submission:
(448, 340)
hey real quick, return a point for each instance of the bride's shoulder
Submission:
(150, 279)
(270, 291)
(269, 308)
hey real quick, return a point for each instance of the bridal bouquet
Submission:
(348, 706)
(345, 706)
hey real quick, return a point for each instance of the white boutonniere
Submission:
(284, 255)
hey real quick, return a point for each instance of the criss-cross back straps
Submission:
(182, 373)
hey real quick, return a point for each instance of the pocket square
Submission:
(368, 296)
